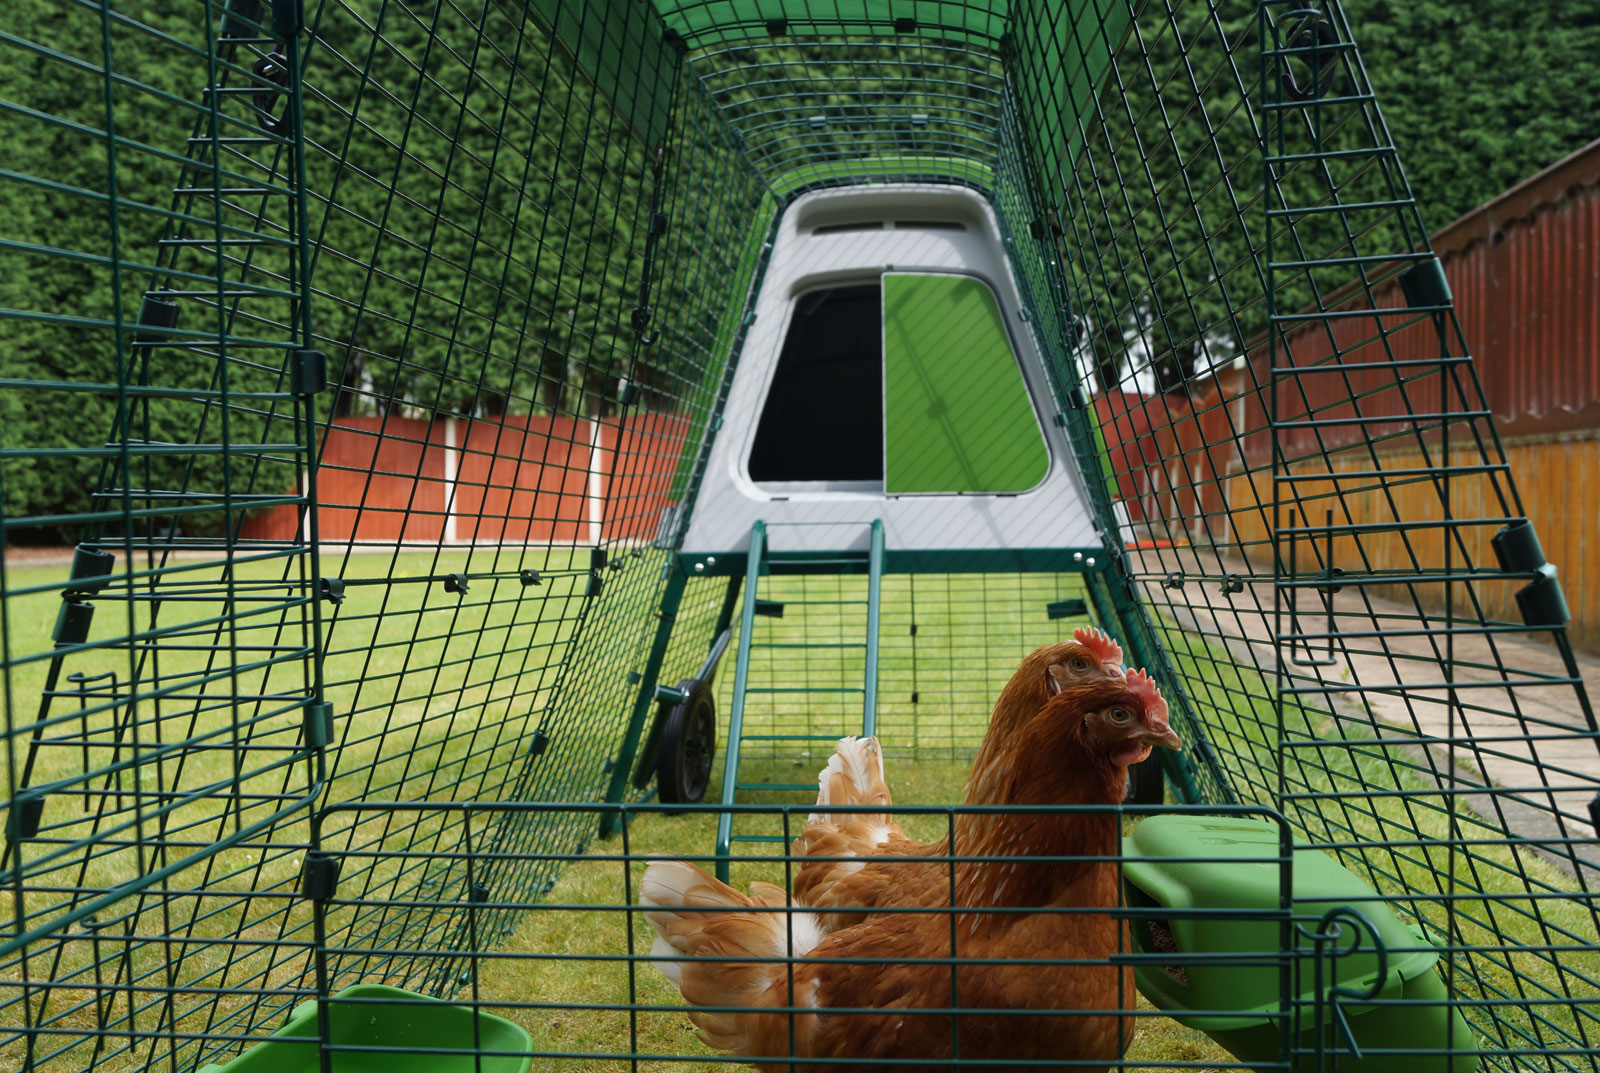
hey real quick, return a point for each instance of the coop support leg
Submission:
(668, 613)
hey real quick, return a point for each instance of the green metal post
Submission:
(869, 703)
(741, 678)
(668, 613)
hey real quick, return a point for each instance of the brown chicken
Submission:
(854, 778)
(1072, 748)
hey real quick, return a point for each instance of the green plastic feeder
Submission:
(396, 1020)
(1234, 997)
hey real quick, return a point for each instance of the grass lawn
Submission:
(430, 687)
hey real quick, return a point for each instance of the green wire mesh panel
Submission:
(470, 219)
(1306, 481)
(362, 356)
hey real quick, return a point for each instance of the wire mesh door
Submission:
(164, 736)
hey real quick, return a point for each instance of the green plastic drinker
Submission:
(403, 1023)
(1379, 1006)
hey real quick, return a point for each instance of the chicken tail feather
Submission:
(699, 921)
(854, 776)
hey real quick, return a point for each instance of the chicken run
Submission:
(623, 535)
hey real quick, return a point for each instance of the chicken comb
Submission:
(1144, 687)
(1102, 646)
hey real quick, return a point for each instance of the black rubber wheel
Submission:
(688, 745)
(1145, 784)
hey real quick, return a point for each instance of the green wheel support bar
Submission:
(741, 678)
(869, 703)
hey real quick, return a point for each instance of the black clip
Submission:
(1425, 284)
(319, 879)
(332, 589)
(318, 724)
(530, 577)
(1174, 580)
(72, 622)
(1047, 223)
(1232, 584)
(156, 317)
(22, 819)
(1541, 600)
(273, 68)
(1074, 607)
(1075, 328)
(308, 372)
(91, 570)
(456, 583)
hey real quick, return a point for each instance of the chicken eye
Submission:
(1080, 665)
(1120, 716)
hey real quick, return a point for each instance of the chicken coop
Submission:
(457, 452)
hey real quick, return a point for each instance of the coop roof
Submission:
(1057, 50)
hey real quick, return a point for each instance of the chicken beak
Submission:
(1157, 731)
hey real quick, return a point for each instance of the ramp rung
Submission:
(804, 689)
(758, 838)
(775, 787)
(792, 737)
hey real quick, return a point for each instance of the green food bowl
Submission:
(1228, 984)
(405, 1024)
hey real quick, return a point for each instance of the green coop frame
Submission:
(384, 350)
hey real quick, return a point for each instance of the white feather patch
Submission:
(672, 970)
(804, 932)
(855, 759)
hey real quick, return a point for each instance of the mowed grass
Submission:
(398, 644)
(424, 683)
(417, 674)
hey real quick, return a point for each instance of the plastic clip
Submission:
(319, 879)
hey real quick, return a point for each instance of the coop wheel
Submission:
(688, 745)
(1145, 785)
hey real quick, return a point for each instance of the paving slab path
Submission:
(1526, 754)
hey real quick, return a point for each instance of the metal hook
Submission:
(1312, 31)
(273, 68)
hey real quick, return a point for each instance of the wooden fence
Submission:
(388, 480)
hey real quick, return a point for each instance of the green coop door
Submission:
(957, 417)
